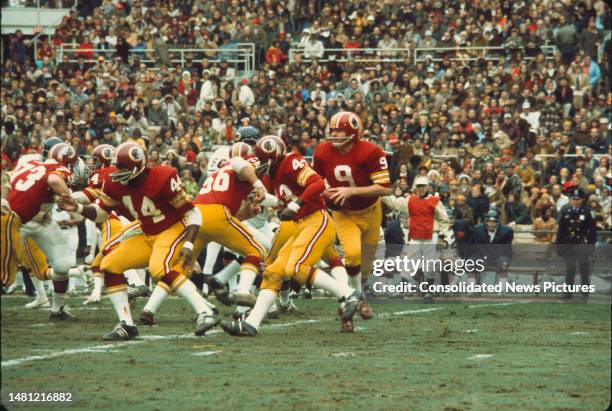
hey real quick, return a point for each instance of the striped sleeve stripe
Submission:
(179, 200)
(304, 175)
(106, 200)
(92, 193)
(381, 172)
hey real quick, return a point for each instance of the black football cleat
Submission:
(351, 305)
(139, 291)
(220, 290)
(147, 318)
(239, 328)
(62, 315)
(347, 326)
(246, 299)
(122, 332)
(206, 321)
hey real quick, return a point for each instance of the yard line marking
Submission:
(143, 339)
(205, 353)
(57, 354)
(343, 354)
(480, 356)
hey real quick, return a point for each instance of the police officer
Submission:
(575, 235)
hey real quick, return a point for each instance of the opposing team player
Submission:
(300, 189)
(220, 200)
(357, 174)
(169, 222)
(33, 186)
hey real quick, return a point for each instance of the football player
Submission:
(33, 185)
(220, 200)
(357, 174)
(170, 223)
(300, 189)
(99, 167)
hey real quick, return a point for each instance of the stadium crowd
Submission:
(517, 131)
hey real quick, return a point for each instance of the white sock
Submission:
(212, 252)
(246, 281)
(134, 278)
(283, 296)
(339, 274)
(265, 299)
(228, 272)
(327, 283)
(355, 282)
(157, 297)
(58, 301)
(39, 286)
(190, 293)
(71, 283)
(232, 284)
(274, 307)
(122, 307)
(98, 281)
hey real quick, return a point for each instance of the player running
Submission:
(169, 222)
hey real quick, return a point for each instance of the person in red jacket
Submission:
(427, 220)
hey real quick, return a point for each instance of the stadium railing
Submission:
(241, 55)
(394, 55)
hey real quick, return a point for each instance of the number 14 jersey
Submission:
(158, 201)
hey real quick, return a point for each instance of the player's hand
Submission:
(258, 195)
(255, 209)
(286, 214)
(67, 203)
(186, 256)
(339, 195)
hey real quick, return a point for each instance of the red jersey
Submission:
(29, 188)
(157, 202)
(92, 191)
(295, 179)
(224, 187)
(365, 164)
(422, 215)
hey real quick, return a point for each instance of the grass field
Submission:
(465, 356)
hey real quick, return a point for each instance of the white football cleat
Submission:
(38, 304)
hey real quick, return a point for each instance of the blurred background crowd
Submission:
(516, 125)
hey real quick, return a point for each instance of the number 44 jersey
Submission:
(157, 201)
(364, 164)
(29, 189)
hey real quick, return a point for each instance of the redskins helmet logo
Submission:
(354, 122)
(269, 146)
(135, 154)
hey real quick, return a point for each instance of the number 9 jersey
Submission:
(365, 164)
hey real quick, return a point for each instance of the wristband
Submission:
(259, 184)
(189, 245)
(293, 206)
(79, 209)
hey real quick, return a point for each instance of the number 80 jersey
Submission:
(29, 189)
(158, 201)
(365, 164)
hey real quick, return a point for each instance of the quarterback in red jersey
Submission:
(357, 174)
(33, 186)
(300, 189)
(169, 222)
